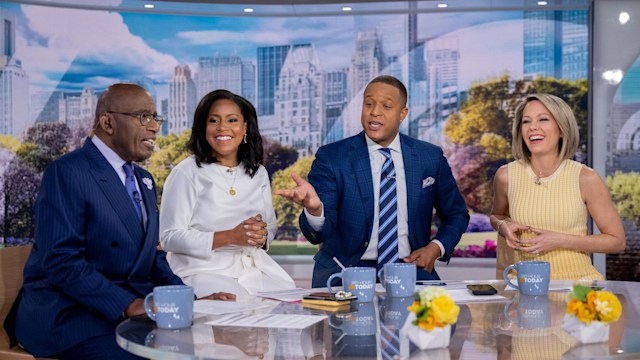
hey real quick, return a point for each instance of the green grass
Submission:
(284, 247)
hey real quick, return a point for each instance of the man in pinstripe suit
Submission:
(95, 255)
(341, 197)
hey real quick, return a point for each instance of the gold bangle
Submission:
(499, 224)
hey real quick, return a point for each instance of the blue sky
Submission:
(69, 49)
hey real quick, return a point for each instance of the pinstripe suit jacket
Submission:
(91, 257)
(341, 175)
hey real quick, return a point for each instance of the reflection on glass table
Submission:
(519, 327)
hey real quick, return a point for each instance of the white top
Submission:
(196, 203)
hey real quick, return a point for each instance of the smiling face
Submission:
(124, 133)
(225, 131)
(540, 130)
(382, 112)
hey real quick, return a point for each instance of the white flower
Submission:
(148, 182)
(431, 292)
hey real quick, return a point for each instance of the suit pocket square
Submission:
(427, 182)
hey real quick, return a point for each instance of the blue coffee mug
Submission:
(533, 277)
(172, 306)
(399, 279)
(360, 281)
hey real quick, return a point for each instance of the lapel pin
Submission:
(148, 182)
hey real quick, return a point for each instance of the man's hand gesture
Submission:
(303, 194)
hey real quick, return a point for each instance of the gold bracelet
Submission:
(499, 224)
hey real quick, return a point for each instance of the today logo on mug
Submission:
(399, 279)
(533, 277)
(172, 306)
(360, 281)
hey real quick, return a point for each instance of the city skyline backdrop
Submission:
(304, 75)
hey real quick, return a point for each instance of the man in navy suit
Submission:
(95, 255)
(341, 197)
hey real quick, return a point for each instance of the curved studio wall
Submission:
(304, 74)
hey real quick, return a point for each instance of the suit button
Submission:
(366, 244)
(114, 244)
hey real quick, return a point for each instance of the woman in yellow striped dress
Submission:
(541, 200)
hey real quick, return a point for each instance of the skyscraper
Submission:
(226, 72)
(367, 61)
(442, 79)
(556, 44)
(336, 95)
(77, 109)
(182, 100)
(45, 106)
(299, 101)
(14, 83)
(270, 60)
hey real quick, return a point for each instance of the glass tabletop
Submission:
(512, 327)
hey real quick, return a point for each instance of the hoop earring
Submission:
(244, 140)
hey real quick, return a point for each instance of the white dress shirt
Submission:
(117, 163)
(377, 160)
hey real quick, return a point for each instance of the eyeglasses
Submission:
(144, 117)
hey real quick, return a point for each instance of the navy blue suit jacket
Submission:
(341, 175)
(91, 256)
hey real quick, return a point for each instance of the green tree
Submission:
(287, 212)
(625, 193)
(496, 147)
(173, 149)
(487, 110)
(575, 93)
(19, 189)
(277, 156)
(43, 143)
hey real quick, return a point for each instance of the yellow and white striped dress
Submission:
(554, 204)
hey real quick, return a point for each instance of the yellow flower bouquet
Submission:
(589, 313)
(430, 318)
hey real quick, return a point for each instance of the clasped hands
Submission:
(251, 232)
(543, 240)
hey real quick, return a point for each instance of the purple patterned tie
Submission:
(130, 184)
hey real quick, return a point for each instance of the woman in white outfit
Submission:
(217, 217)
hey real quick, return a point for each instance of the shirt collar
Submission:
(373, 147)
(114, 159)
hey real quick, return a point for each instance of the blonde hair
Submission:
(561, 112)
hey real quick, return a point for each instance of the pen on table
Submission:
(338, 262)
(431, 282)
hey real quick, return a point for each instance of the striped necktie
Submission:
(130, 184)
(388, 215)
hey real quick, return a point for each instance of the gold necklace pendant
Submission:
(229, 171)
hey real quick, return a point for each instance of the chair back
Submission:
(12, 261)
